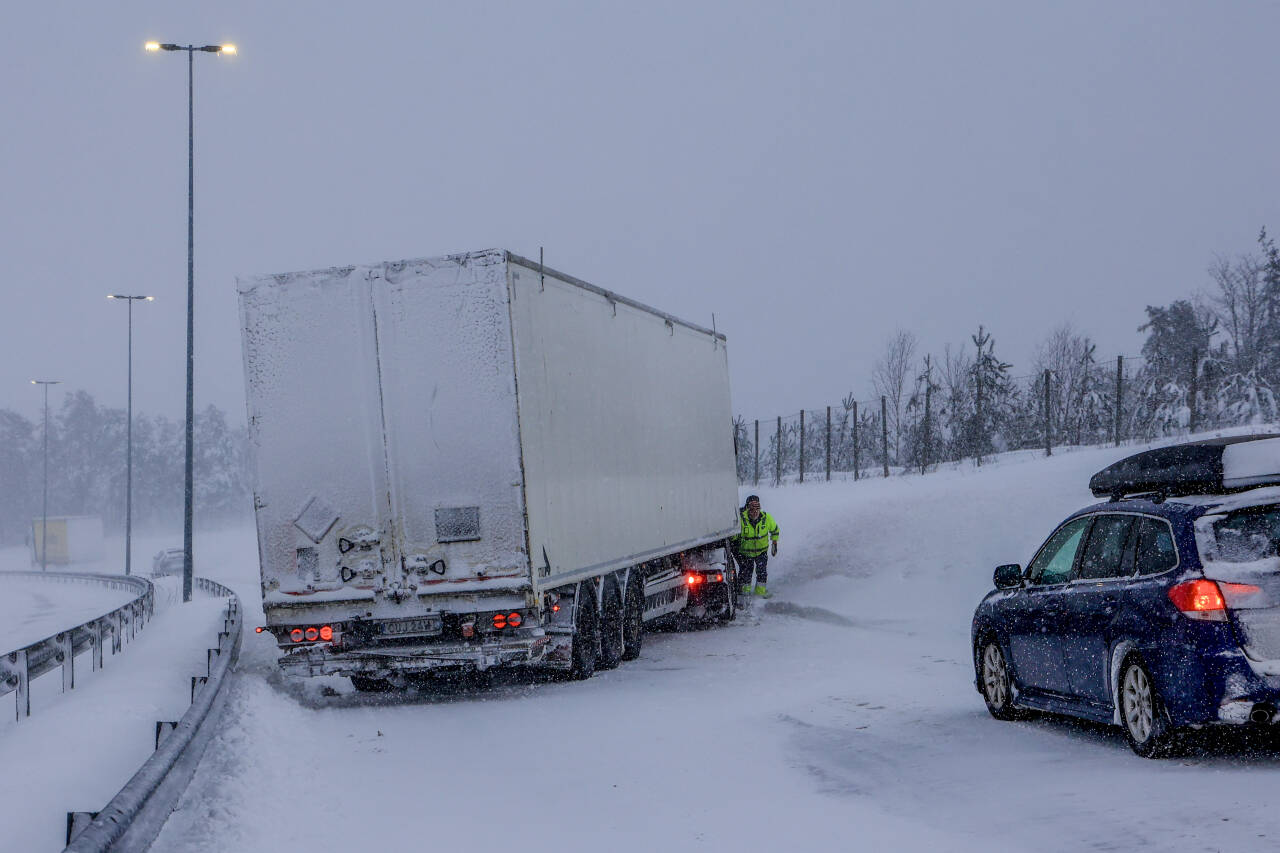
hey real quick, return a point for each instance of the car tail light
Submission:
(1203, 599)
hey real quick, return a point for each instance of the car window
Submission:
(1104, 555)
(1054, 562)
(1249, 534)
(1156, 551)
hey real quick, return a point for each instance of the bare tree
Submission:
(890, 378)
(1240, 302)
(1069, 357)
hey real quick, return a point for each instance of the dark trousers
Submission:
(746, 564)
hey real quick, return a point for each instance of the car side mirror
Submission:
(1008, 576)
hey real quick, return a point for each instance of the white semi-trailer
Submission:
(474, 461)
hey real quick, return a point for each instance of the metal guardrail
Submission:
(135, 816)
(18, 667)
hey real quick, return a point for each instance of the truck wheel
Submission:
(731, 596)
(633, 621)
(364, 684)
(612, 645)
(586, 634)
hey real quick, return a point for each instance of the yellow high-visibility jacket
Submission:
(755, 538)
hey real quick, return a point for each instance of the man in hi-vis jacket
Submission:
(752, 546)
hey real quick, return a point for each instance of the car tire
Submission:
(995, 681)
(1142, 715)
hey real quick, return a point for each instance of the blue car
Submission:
(1157, 610)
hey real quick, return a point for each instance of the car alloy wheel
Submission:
(994, 675)
(1146, 726)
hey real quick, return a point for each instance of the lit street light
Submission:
(44, 512)
(128, 477)
(191, 50)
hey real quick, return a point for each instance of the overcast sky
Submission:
(816, 174)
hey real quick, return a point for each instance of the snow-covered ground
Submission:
(840, 715)
(32, 609)
(77, 749)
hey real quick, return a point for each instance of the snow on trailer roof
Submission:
(1211, 467)
(249, 282)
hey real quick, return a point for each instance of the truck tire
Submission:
(586, 634)
(364, 684)
(612, 645)
(731, 596)
(633, 620)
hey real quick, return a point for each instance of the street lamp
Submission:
(44, 512)
(191, 50)
(128, 465)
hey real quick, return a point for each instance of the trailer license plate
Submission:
(426, 625)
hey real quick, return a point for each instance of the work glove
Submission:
(775, 549)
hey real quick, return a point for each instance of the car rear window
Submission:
(1247, 535)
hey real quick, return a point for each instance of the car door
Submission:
(1035, 616)
(1104, 568)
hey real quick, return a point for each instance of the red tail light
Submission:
(499, 620)
(719, 577)
(693, 579)
(514, 619)
(1202, 599)
(296, 635)
(326, 633)
(312, 634)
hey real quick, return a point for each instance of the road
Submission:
(841, 713)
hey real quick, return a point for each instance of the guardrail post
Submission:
(67, 657)
(213, 653)
(95, 640)
(22, 704)
(197, 681)
(164, 728)
(117, 641)
(77, 822)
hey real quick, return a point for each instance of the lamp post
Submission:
(191, 293)
(44, 511)
(128, 465)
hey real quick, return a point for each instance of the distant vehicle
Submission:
(70, 539)
(1158, 610)
(167, 562)
(476, 461)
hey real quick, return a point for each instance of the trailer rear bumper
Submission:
(378, 662)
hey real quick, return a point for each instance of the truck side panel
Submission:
(625, 425)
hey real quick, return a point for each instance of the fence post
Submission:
(802, 445)
(884, 431)
(855, 440)
(1191, 397)
(756, 479)
(777, 455)
(1048, 440)
(928, 427)
(828, 442)
(1119, 395)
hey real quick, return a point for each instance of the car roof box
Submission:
(1210, 467)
